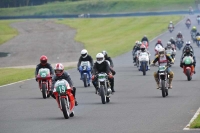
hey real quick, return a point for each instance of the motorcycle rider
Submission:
(144, 50)
(171, 25)
(159, 42)
(102, 66)
(163, 59)
(198, 34)
(43, 64)
(173, 42)
(60, 73)
(188, 52)
(145, 39)
(136, 49)
(193, 30)
(169, 47)
(179, 35)
(188, 20)
(108, 58)
(85, 57)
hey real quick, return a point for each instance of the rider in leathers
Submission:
(163, 59)
(145, 39)
(61, 74)
(101, 66)
(169, 46)
(188, 53)
(85, 57)
(135, 50)
(108, 58)
(159, 42)
(144, 50)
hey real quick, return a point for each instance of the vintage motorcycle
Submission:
(85, 71)
(45, 81)
(188, 24)
(143, 62)
(171, 52)
(193, 36)
(198, 41)
(179, 43)
(187, 67)
(64, 98)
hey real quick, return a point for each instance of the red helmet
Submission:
(43, 60)
(159, 41)
(59, 69)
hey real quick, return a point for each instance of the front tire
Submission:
(188, 74)
(102, 93)
(107, 99)
(163, 87)
(85, 80)
(65, 107)
(44, 91)
(144, 68)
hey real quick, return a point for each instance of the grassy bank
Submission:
(117, 35)
(6, 31)
(195, 123)
(99, 6)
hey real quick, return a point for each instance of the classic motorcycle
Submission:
(143, 62)
(188, 24)
(137, 58)
(104, 87)
(64, 98)
(198, 41)
(157, 47)
(170, 28)
(171, 53)
(45, 81)
(85, 71)
(187, 67)
(193, 35)
(179, 43)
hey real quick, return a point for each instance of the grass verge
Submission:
(196, 122)
(6, 31)
(117, 35)
(99, 6)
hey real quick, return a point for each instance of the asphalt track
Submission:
(136, 107)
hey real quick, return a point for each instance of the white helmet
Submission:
(59, 69)
(170, 22)
(84, 53)
(161, 52)
(169, 44)
(100, 58)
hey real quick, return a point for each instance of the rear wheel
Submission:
(102, 93)
(85, 80)
(44, 91)
(188, 74)
(65, 107)
(163, 87)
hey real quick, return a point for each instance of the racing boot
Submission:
(74, 93)
(170, 83)
(156, 79)
(157, 83)
(112, 84)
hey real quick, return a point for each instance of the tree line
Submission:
(19, 3)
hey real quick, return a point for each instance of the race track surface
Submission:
(136, 107)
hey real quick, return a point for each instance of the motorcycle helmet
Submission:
(84, 53)
(145, 35)
(161, 52)
(59, 69)
(142, 48)
(159, 41)
(188, 43)
(179, 32)
(105, 54)
(170, 22)
(169, 44)
(139, 44)
(194, 28)
(100, 58)
(43, 60)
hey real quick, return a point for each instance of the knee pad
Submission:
(171, 74)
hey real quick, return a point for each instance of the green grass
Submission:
(117, 35)
(10, 75)
(195, 123)
(6, 31)
(99, 6)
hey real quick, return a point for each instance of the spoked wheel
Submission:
(188, 74)
(65, 107)
(102, 94)
(44, 91)
(163, 88)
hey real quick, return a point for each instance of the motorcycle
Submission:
(137, 59)
(104, 87)
(143, 62)
(157, 47)
(193, 35)
(170, 28)
(187, 67)
(188, 24)
(179, 43)
(198, 20)
(145, 43)
(65, 98)
(171, 53)
(198, 41)
(45, 81)
(163, 78)
(173, 46)
(85, 71)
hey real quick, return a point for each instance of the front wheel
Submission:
(44, 91)
(144, 68)
(163, 87)
(107, 99)
(85, 80)
(102, 94)
(188, 74)
(65, 107)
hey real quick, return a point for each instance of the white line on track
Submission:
(33, 78)
(193, 118)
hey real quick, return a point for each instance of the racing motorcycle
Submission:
(179, 43)
(137, 59)
(171, 52)
(188, 24)
(45, 81)
(157, 47)
(64, 98)
(193, 35)
(187, 67)
(85, 71)
(104, 90)
(170, 28)
(143, 62)
(145, 43)
(198, 20)
(198, 41)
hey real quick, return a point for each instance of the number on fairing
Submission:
(61, 89)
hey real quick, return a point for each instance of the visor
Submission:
(99, 59)
(43, 61)
(58, 71)
(162, 52)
